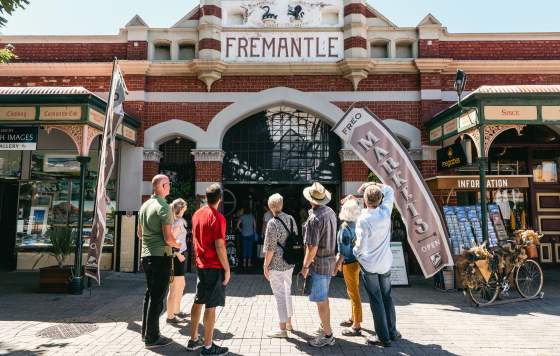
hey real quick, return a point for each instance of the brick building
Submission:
(277, 75)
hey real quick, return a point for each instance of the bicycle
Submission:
(486, 278)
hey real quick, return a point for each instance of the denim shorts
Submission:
(319, 287)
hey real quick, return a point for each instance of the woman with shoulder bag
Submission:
(276, 270)
(175, 295)
(347, 263)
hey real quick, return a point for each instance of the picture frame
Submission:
(43, 200)
(38, 216)
(545, 252)
(61, 163)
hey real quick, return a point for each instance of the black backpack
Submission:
(293, 248)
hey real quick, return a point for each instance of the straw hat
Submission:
(317, 194)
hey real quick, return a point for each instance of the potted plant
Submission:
(55, 279)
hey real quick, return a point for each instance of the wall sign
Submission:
(470, 183)
(382, 152)
(60, 113)
(18, 138)
(451, 157)
(12, 113)
(551, 113)
(399, 276)
(513, 113)
(282, 46)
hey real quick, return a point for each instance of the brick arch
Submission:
(159, 133)
(263, 100)
(404, 130)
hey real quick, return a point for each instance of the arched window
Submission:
(281, 145)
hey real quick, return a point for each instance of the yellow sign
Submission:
(96, 117)
(60, 113)
(551, 113)
(129, 133)
(510, 113)
(14, 113)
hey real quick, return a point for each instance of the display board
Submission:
(399, 275)
(465, 229)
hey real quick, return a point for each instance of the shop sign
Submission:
(551, 113)
(97, 118)
(129, 133)
(399, 277)
(451, 157)
(436, 133)
(282, 46)
(14, 113)
(513, 113)
(450, 127)
(381, 151)
(473, 182)
(467, 120)
(18, 138)
(60, 113)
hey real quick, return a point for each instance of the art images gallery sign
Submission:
(282, 46)
(18, 138)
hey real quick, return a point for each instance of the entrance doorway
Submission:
(279, 150)
(8, 219)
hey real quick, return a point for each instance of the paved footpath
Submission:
(431, 322)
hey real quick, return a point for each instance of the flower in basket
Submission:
(527, 237)
(478, 252)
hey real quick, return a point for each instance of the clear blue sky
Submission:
(79, 17)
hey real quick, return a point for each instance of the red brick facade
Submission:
(199, 114)
(208, 171)
(354, 171)
(150, 170)
(211, 10)
(209, 43)
(137, 51)
(500, 50)
(69, 52)
(355, 42)
(360, 9)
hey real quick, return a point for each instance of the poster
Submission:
(399, 276)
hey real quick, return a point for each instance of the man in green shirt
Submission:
(154, 229)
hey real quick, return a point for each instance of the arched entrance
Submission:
(278, 150)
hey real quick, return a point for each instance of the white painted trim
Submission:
(157, 134)
(146, 188)
(405, 130)
(430, 94)
(351, 188)
(242, 109)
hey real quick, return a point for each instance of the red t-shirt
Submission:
(208, 225)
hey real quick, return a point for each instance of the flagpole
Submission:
(76, 284)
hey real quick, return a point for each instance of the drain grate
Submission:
(67, 331)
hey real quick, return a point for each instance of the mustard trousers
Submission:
(351, 273)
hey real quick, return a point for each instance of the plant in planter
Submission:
(55, 279)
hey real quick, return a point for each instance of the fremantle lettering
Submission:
(384, 155)
(281, 46)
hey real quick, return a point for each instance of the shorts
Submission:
(178, 267)
(210, 290)
(319, 287)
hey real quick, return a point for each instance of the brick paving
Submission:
(432, 322)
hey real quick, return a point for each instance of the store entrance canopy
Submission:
(74, 110)
(496, 109)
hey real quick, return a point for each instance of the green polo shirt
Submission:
(154, 213)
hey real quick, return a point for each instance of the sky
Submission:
(106, 17)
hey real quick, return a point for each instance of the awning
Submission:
(74, 110)
(500, 107)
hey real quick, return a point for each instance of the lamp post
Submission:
(459, 85)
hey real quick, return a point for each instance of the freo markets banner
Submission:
(381, 151)
(22, 138)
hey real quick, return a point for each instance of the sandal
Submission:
(347, 323)
(352, 332)
(181, 315)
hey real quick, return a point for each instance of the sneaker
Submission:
(321, 341)
(374, 340)
(161, 341)
(396, 337)
(194, 345)
(278, 334)
(173, 320)
(215, 350)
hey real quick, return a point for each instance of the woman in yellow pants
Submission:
(348, 264)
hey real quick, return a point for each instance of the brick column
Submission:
(208, 168)
(150, 169)
(355, 29)
(210, 30)
(354, 172)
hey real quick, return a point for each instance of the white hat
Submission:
(317, 194)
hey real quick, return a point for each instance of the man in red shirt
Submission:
(213, 273)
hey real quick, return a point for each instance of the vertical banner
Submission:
(113, 119)
(382, 152)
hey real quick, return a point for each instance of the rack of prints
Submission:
(465, 230)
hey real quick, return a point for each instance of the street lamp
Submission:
(459, 85)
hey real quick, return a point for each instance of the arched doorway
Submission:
(279, 150)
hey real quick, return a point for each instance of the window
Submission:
(281, 145)
(186, 52)
(545, 166)
(162, 52)
(10, 164)
(379, 50)
(404, 50)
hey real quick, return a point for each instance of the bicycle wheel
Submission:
(529, 279)
(485, 292)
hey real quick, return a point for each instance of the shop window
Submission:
(379, 50)
(505, 160)
(545, 166)
(162, 52)
(10, 164)
(404, 50)
(178, 164)
(187, 52)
